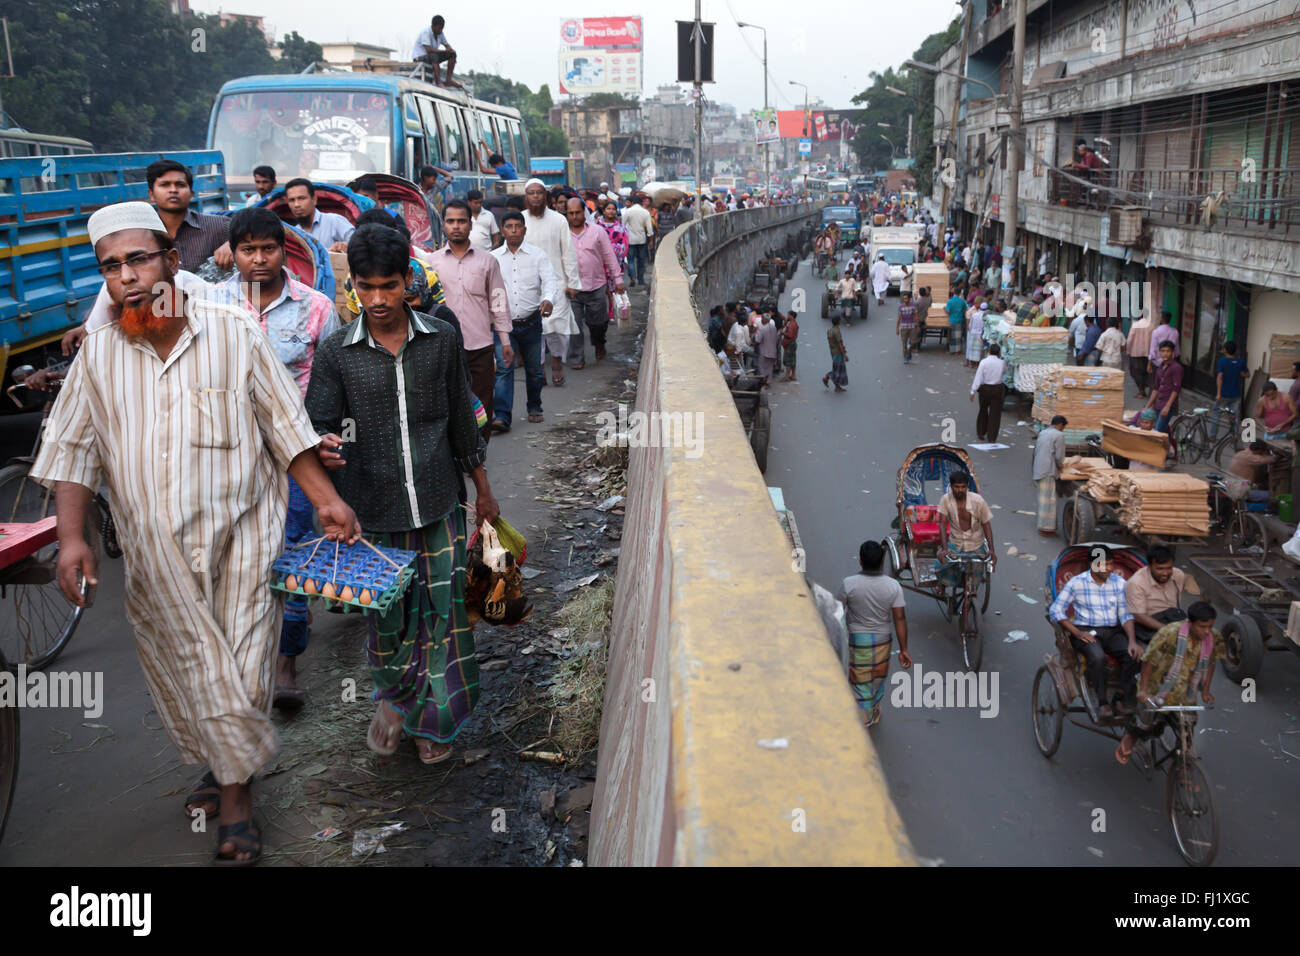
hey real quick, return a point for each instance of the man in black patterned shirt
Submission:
(392, 387)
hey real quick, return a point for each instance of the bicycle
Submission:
(1191, 435)
(1242, 528)
(44, 619)
(964, 602)
(1189, 797)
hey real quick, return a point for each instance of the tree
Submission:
(609, 99)
(543, 138)
(296, 53)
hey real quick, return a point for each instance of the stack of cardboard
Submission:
(1086, 396)
(1164, 503)
(933, 276)
(1283, 350)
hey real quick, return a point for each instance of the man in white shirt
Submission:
(1078, 331)
(988, 385)
(432, 47)
(640, 230)
(328, 228)
(484, 234)
(548, 230)
(531, 290)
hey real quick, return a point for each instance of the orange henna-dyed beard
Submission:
(141, 321)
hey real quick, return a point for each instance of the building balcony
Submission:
(1255, 202)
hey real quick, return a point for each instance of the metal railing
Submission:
(1254, 200)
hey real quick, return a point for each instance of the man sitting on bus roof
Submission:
(496, 163)
(431, 47)
(328, 228)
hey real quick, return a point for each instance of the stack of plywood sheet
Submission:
(1164, 503)
(935, 277)
(1027, 345)
(1085, 395)
(1149, 447)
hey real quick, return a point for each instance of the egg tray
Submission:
(359, 566)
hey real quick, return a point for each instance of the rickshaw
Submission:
(1061, 691)
(913, 551)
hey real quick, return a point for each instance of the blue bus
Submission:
(334, 127)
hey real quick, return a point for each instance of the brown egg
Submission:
(365, 597)
(309, 586)
(327, 591)
(346, 593)
(291, 583)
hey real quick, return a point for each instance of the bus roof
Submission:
(379, 82)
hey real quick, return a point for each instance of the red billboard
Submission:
(822, 124)
(606, 33)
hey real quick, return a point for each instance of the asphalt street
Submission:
(974, 789)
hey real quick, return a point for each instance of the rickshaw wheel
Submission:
(1189, 801)
(972, 640)
(1049, 713)
(986, 588)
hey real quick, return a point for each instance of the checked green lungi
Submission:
(421, 652)
(1046, 503)
(868, 668)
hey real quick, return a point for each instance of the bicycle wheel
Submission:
(43, 619)
(1189, 802)
(1188, 434)
(1246, 534)
(986, 588)
(972, 641)
(8, 762)
(1049, 713)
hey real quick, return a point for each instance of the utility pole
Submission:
(956, 104)
(1010, 206)
(699, 112)
(909, 135)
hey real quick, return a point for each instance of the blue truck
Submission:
(48, 276)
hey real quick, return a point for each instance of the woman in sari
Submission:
(874, 609)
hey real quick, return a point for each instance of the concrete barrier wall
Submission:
(729, 735)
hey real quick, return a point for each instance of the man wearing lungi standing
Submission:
(183, 409)
(398, 375)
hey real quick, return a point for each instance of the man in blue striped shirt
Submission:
(1101, 623)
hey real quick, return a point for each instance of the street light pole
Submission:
(767, 149)
(1015, 155)
(805, 133)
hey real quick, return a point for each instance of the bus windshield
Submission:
(330, 136)
(840, 213)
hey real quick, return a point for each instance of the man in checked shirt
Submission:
(1101, 623)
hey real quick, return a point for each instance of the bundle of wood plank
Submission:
(1164, 503)
(1084, 395)
(1102, 480)
(935, 277)
(1027, 345)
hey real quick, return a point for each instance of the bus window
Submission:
(521, 151)
(490, 133)
(432, 141)
(453, 136)
(325, 135)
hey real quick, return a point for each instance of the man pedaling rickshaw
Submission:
(1177, 664)
(823, 248)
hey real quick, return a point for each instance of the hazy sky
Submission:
(829, 45)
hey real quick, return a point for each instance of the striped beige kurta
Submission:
(194, 451)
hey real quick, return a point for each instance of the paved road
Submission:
(975, 790)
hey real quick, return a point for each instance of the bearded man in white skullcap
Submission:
(182, 409)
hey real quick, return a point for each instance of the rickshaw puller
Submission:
(966, 529)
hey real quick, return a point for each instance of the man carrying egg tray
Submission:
(181, 407)
(395, 382)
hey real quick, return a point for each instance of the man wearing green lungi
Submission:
(394, 382)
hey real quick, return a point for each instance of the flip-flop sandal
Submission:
(383, 747)
(246, 837)
(288, 698)
(430, 761)
(207, 790)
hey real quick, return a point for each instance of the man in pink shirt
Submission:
(475, 291)
(597, 268)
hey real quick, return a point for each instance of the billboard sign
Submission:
(765, 129)
(601, 55)
(805, 147)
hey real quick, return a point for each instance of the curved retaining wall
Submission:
(729, 734)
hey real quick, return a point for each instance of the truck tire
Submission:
(1078, 519)
(826, 305)
(780, 282)
(1245, 645)
(759, 437)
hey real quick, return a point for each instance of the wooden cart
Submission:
(1260, 604)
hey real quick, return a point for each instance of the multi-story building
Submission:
(1193, 110)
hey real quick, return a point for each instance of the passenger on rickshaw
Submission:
(1153, 594)
(1101, 624)
(823, 246)
(965, 529)
(1178, 662)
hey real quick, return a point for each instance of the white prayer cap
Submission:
(532, 182)
(121, 216)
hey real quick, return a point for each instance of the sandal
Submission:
(385, 745)
(555, 380)
(423, 745)
(246, 837)
(1123, 755)
(206, 792)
